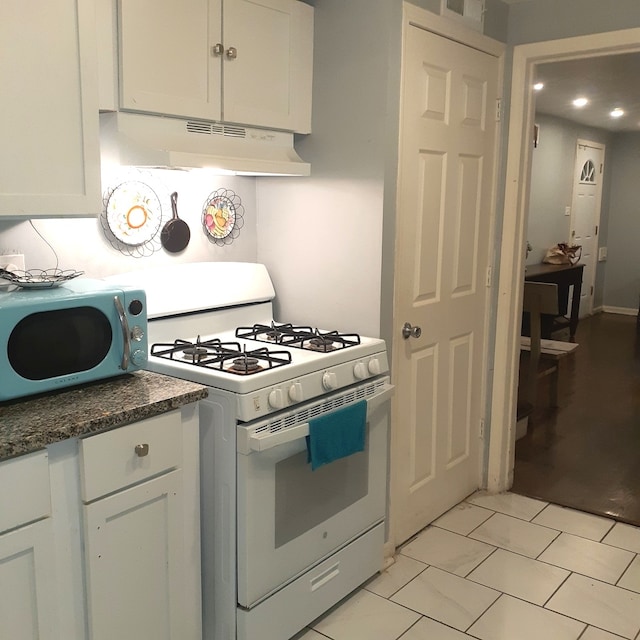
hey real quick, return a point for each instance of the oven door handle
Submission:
(264, 441)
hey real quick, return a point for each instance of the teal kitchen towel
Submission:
(337, 434)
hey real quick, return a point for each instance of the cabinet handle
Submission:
(141, 450)
(232, 53)
(217, 49)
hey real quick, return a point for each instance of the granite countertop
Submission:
(29, 424)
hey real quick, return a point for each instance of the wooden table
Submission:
(564, 275)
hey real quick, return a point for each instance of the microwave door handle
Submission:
(124, 324)
(262, 442)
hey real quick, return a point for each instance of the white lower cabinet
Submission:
(27, 570)
(27, 583)
(100, 536)
(134, 548)
(140, 534)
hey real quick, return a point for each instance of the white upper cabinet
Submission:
(49, 116)
(239, 61)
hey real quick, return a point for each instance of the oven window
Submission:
(306, 499)
(61, 342)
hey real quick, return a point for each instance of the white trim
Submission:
(510, 285)
(429, 21)
(622, 311)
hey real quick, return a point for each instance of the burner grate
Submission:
(300, 337)
(222, 356)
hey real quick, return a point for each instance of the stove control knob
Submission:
(276, 399)
(295, 392)
(374, 366)
(329, 380)
(360, 371)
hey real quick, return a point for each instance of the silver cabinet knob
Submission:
(232, 53)
(410, 332)
(141, 450)
(217, 49)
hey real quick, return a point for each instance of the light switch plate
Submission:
(602, 254)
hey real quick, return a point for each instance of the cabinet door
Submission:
(268, 82)
(49, 114)
(134, 548)
(167, 64)
(27, 583)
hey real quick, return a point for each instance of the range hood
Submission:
(156, 141)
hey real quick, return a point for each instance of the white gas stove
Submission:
(281, 543)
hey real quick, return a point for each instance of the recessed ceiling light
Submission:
(617, 112)
(538, 86)
(580, 102)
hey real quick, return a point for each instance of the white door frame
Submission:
(501, 454)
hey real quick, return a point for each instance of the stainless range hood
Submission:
(155, 141)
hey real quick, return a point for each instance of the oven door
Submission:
(290, 517)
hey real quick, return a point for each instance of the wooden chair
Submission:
(544, 355)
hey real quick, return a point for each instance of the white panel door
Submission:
(445, 194)
(587, 198)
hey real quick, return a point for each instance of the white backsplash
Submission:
(80, 243)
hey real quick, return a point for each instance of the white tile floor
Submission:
(501, 567)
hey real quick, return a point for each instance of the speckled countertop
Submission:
(28, 424)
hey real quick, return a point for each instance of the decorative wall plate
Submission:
(133, 213)
(222, 216)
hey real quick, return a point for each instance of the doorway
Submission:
(501, 452)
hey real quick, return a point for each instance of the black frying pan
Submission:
(175, 234)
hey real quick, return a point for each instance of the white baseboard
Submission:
(623, 311)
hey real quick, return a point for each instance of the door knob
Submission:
(410, 332)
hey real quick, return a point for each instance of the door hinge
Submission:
(498, 109)
(481, 428)
(597, 229)
(489, 275)
(591, 291)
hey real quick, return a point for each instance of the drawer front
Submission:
(125, 456)
(26, 494)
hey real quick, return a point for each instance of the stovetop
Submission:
(253, 360)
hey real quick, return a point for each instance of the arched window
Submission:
(588, 174)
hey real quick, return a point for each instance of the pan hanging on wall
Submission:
(222, 216)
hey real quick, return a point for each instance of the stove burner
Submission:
(246, 365)
(194, 353)
(321, 344)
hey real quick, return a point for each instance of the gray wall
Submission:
(552, 180)
(539, 20)
(321, 237)
(622, 278)
(552, 188)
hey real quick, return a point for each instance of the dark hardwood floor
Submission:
(585, 454)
